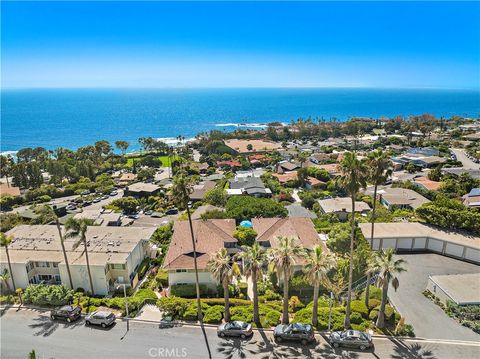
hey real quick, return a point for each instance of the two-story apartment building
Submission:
(114, 253)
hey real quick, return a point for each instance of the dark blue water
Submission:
(73, 118)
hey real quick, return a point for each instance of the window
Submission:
(55, 265)
(118, 266)
(57, 278)
(181, 271)
(44, 277)
(42, 264)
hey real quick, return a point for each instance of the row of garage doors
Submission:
(430, 244)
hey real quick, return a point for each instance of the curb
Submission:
(322, 333)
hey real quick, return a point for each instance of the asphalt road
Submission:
(467, 162)
(24, 330)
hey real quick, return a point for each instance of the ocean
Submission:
(72, 118)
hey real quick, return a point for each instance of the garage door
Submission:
(454, 250)
(420, 243)
(435, 245)
(389, 243)
(472, 255)
(404, 243)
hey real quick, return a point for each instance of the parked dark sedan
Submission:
(351, 339)
(235, 329)
(67, 312)
(302, 333)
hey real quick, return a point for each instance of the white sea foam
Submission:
(246, 125)
(8, 153)
(173, 141)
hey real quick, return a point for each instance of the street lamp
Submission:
(118, 285)
(330, 312)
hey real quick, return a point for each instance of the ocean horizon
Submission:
(72, 118)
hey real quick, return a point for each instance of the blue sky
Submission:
(245, 44)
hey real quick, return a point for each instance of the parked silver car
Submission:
(235, 329)
(102, 318)
(351, 339)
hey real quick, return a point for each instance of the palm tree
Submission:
(46, 215)
(353, 178)
(380, 170)
(182, 187)
(387, 266)
(283, 258)
(223, 272)
(4, 278)
(316, 268)
(78, 228)
(5, 242)
(254, 258)
(181, 190)
(302, 158)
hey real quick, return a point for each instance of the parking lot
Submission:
(427, 318)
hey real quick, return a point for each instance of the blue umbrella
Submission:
(246, 224)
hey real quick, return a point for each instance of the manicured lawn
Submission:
(165, 160)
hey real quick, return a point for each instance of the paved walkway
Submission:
(150, 312)
(428, 319)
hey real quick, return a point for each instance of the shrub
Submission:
(356, 318)
(42, 294)
(359, 307)
(271, 295)
(214, 315)
(372, 303)
(243, 288)
(142, 269)
(305, 316)
(7, 299)
(406, 330)
(220, 301)
(173, 306)
(322, 302)
(373, 314)
(246, 236)
(162, 278)
(270, 319)
(361, 326)
(389, 311)
(295, 304)
(191, 314)
(188, 290)
(374, 293)
(243, 313)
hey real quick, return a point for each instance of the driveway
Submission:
(467, 162)
(428, 319)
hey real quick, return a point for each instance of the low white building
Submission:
(418, 237)
(114, 254)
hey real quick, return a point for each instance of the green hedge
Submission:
(142, 269)
(305, 316)
(51, 295)
(359, 307)
(162, 278)
(214, 315)
(243, 288)
(189, 290)
(356, 318)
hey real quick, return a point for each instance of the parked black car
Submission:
(171, 211)
(67, 312)
(351, 339)
(302, 333)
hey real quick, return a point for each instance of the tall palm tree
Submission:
(254, 258)
(223, 271)
(182, 187)
(283, 257)
(302, 158)
(77, 228)
(5, 242)
(387, 266)
(380, 169)
(181, 190)
(46, 215)
(353, 178)
(317, 265)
